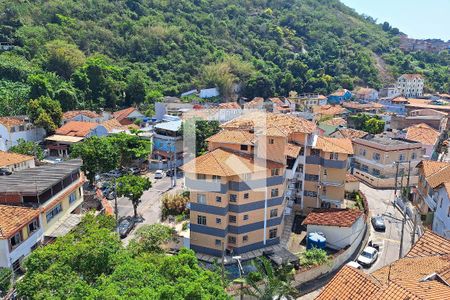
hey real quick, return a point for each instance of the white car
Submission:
(354, 264)
(367, 257)
(159, 174)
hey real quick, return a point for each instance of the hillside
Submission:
(91, 54)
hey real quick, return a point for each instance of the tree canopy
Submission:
(28, 148)
(133, 187)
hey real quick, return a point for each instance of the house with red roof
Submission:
(128, 115)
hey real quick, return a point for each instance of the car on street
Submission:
(378, 223)
(114, 173)
(111, 195)
(354, 264)
(159, 174)
(5, 172)
(367, 257)
(134, 171)
(125, 226)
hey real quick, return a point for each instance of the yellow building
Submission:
(258, 169)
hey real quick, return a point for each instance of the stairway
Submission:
(288, 221)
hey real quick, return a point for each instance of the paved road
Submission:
(380, 203)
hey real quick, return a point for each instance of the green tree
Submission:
(150, 238)
(45, 112)
(5, 280)
(28, 148)
(63, 58)
(269, 283)
(374, 126)
(130, 147)
(133, 188)
(99, 155)
(203, 130)
(136, 90)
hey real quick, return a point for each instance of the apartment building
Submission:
(20, 233)
(167, 145)
(376, 158)
(259, 168)
(410, 85)
(55, 189)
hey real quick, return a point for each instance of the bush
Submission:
(185, 226)
(174, 204)
(5, 280)
(314, 257)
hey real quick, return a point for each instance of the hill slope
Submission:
(89, 53)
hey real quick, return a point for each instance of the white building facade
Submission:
(441, 218)
(410, 85)
(13, 129)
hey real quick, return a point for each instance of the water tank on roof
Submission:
(316, 240)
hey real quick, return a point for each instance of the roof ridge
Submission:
(215, 158)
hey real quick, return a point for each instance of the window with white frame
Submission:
(72, 198)
(53, 212)
(216, 178)
(201, 198)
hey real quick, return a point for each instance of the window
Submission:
(362, 152)
(245, 238)
(271, 141)
(274, 213)
(376, 156)
(216, 178)
(246, 195)
(309, 177)
(232, 219)
(201, 176)
(218, 221)
(324, 190)
(218, 199)
(325, 172)
(245, 217)
(414, 155)
(33, 226)
(72, 198)
(201, 198)
(275, 172)
(52, 213)
(201, 220)
(218, 242)
(274, 193)
(233, 198)
(21, 128)
(315, 152)
(365, 168)
(448, 213)
(273, 233)
(244, 147)
(442, 200)
(310, 194)
(232, 240)
(245, 176)
(15, 240)
(334, 156)
(401, 157)
(376, 172)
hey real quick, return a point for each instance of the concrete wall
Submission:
(9, 139)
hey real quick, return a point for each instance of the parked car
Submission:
(367, 257)
(159, 174)
(169, 173)
(134, 171)
(378, 223)
(5, 172)
(111, 195)
(354, 264)
(114, 173)
(125, 226)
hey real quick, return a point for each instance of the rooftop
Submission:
(362, 106)
(76, 128)
(424, 103)
(114, 125)
(337, 145)
(335, 122)
(435, 172)
(9, 158)
(351, 133)
(73, 113)
(386, 143)
(13, 218)
(256, 102)
(124, 113)
(430, 244)
(169, 126)
(411, 76)
(339, 93)
(12, 121)
(39, 179)
(422, 133)
(332, 217)
(351, 178)
(233, 137)
(226, 163)
(292, 150)
(229, 105)
(328, 110)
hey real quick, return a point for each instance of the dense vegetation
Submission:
(92, 54)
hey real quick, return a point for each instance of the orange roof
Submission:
(350, 283)
(233, 137)
(340, 93)
(411, 76)
(335, 122)
(277, 101)
(292, 150)
(424, 103)
(113, 124)
(423, 134)
(330, 110)
(364, 91)
(435, 172)
(350, 133)
(400, 99)
(362, 106)
(225, 163)
(73, 113)
(287, 124)
(76, 128)
(229, 105)
(11, 121)
(10, 158)
(256, 102)
(13, 218)
(332, 217)
(124, 113)
(430, 244)
(338, 145)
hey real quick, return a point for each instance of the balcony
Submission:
(335, 183)
(334, 202)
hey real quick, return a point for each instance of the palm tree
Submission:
(269, 283)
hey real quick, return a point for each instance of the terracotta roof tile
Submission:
(292, 150)
(9, 158)
(233, 137)
(12, 121)
(114, 124)
(423, 134)
(75, 128)
(329, 110)
(124, 113)
(431, 167)
(364, 91)
(73, 113)
(335, 122)
(362, 106)
(338, 145)
(349, 133)
(349, 283)
(226, 163)
(435, 173)
(430, 244)
(13, 218)
(340, 93)
(332, 217)
(229, 105)
(411, 76)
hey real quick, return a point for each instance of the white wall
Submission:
(441, 220)
(8, 139)
(21, 166)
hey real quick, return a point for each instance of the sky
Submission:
(420, 19)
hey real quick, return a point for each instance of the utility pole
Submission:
(223, 261)
(413, 234)
(409, 175)
(396, 179)
(116, 209)
(403, 230)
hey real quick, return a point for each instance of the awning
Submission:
(66, 225)
(64, 138)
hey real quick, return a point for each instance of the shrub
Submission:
(174, 204)
(5, 280)
(314, 257)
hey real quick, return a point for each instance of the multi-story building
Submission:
(306, 102)
(55, 189)
(259, 168)
(441, 215)
(16, 162)
(410, 85)
(12, 129)
(82, 116)
(422, 107)
(20, 233)
(433, 118)
(366, 94)
(427, 136)
(375, 161)
(167, 145)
